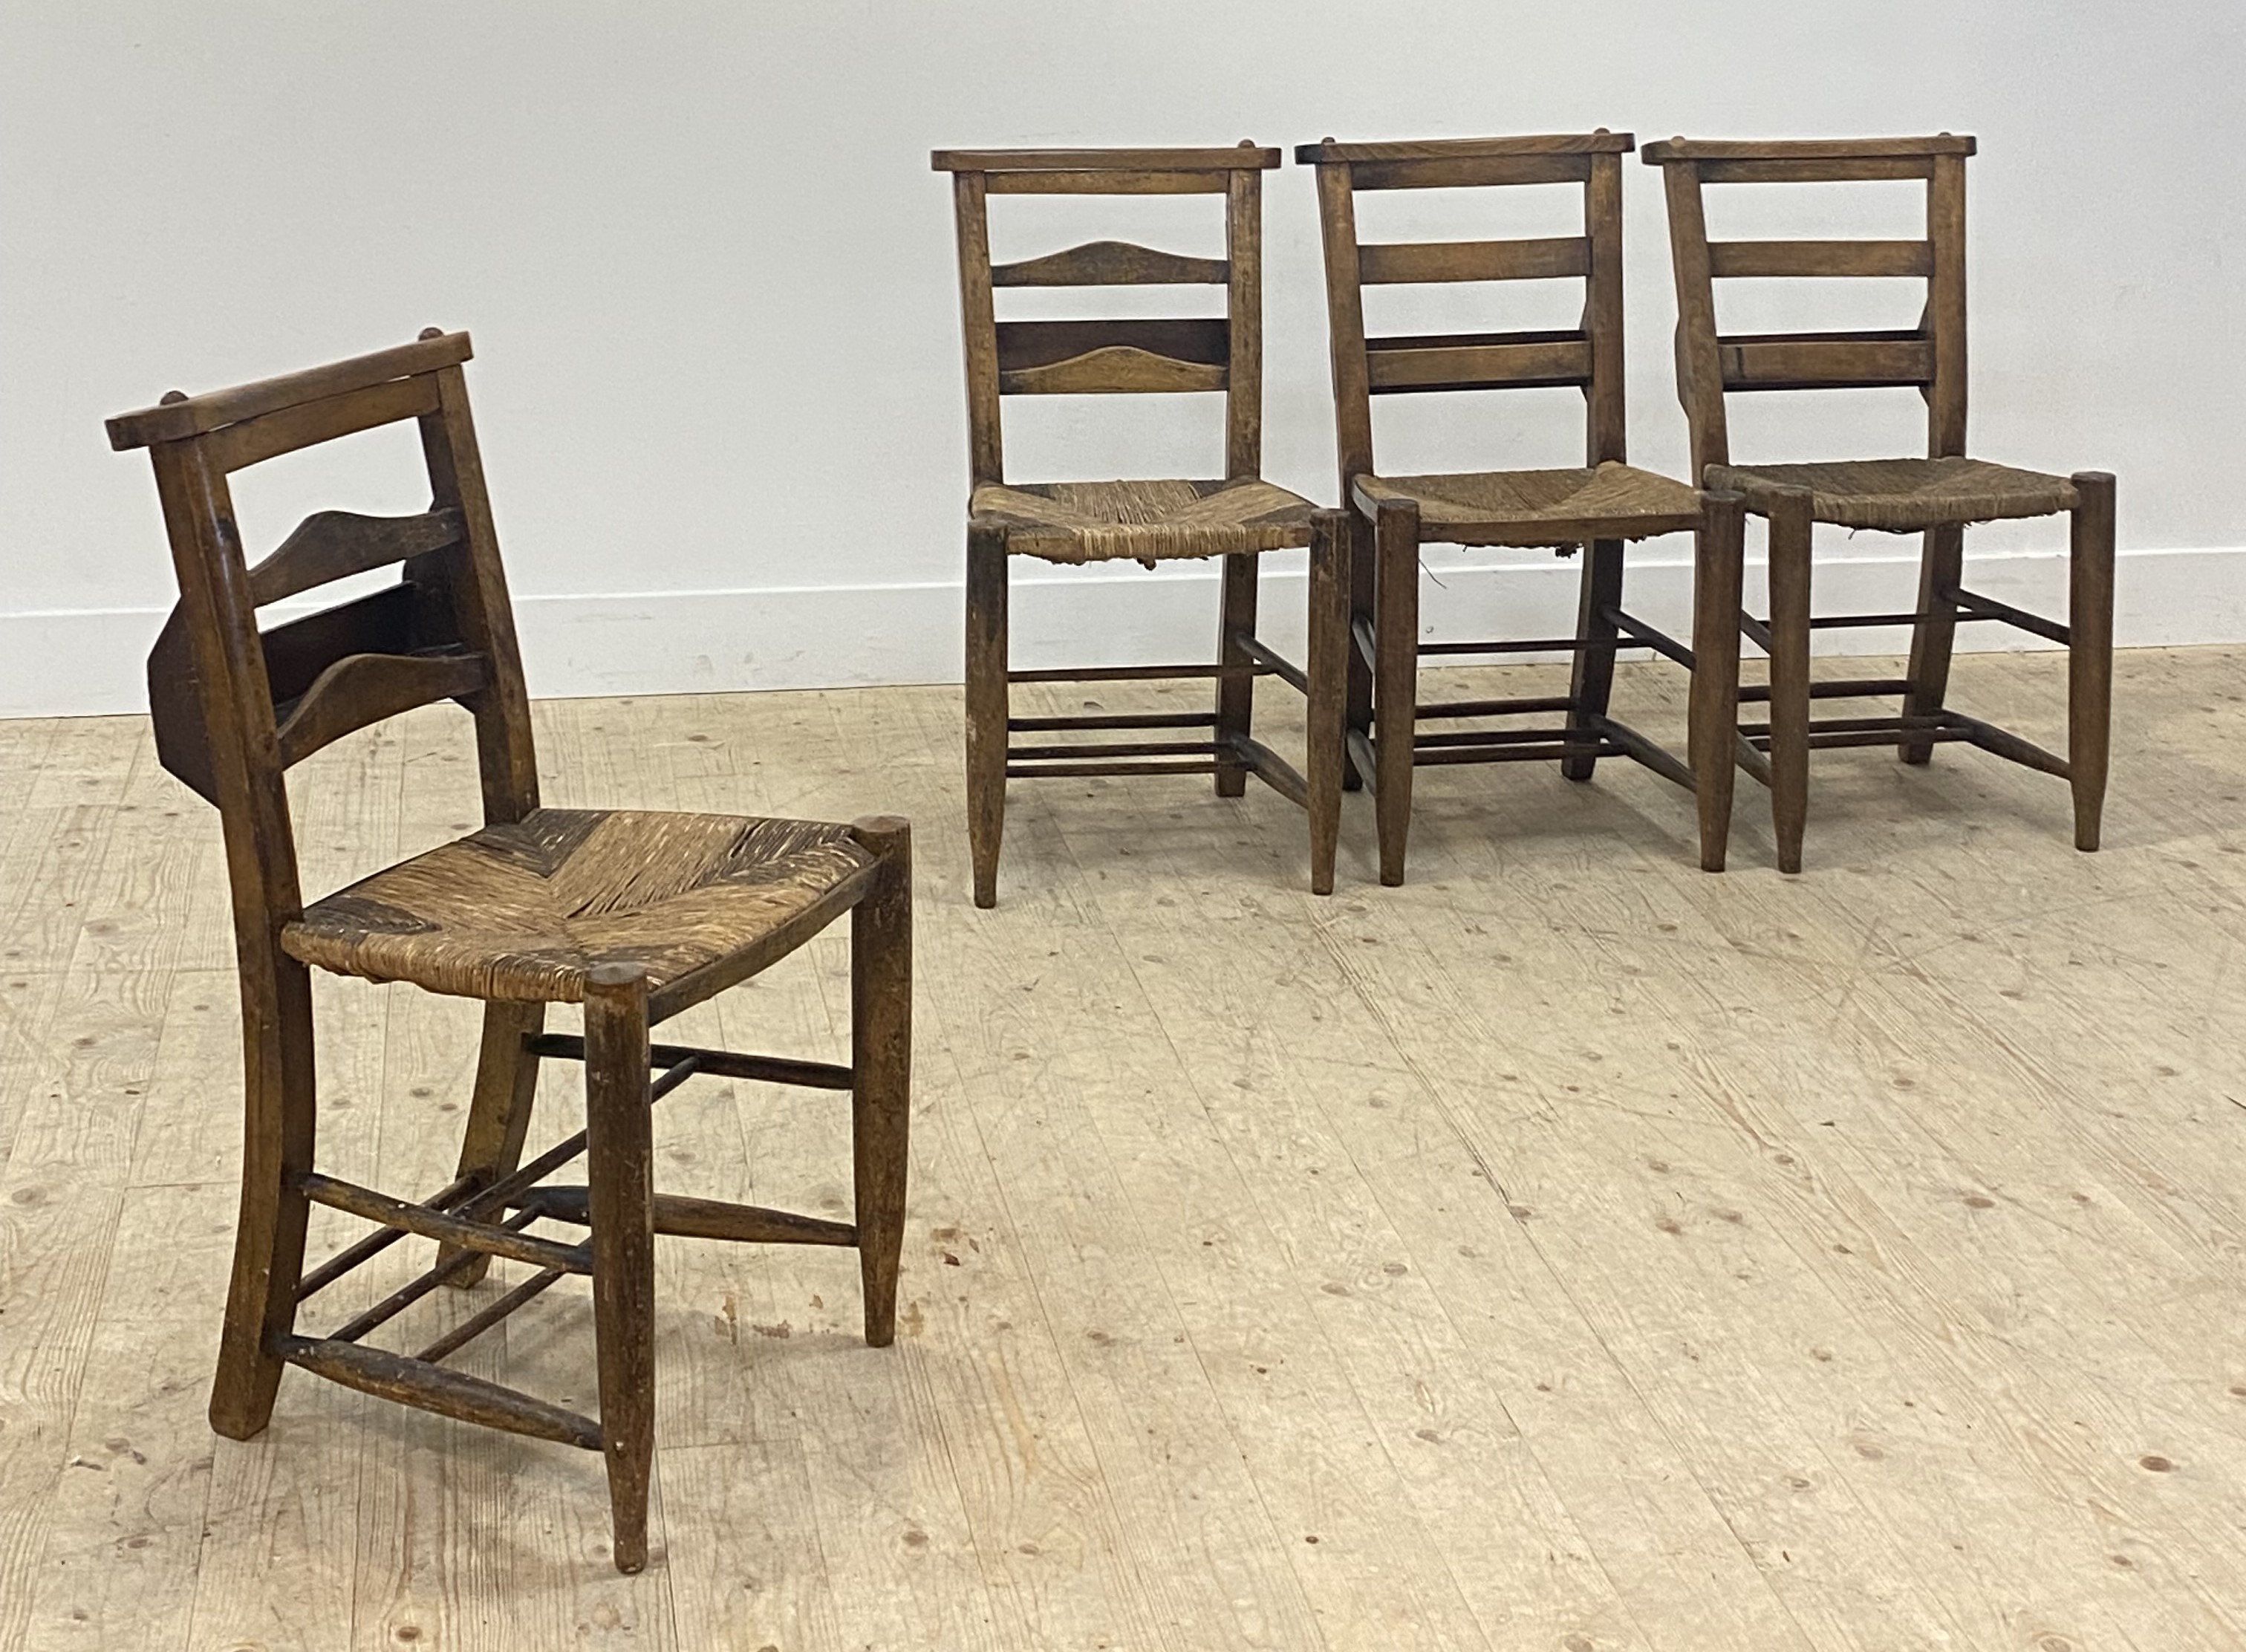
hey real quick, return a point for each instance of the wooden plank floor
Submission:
(1569, 1250)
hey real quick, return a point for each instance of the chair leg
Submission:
(269, 1245)
(1940, 567)
(1718, 554)
(881, 1059)
(621, 1200)
(499, 1114)
(1789, 673)
(1325, 720)
(2090, 651)
(1358, 578)
(986, 706)
(1395, 674)
(1235, 690)
(1593, 684)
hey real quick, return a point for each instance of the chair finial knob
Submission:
(171, 395)
(428, 333)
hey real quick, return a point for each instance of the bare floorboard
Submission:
(1567, 1250)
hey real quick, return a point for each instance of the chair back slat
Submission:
(1785, 258)
(1148, 183)
(361, 689)
(328, 546)
(1470, 172)
(1121, 356)
(1410, 262)
(1112, 264)
(285, 430)
(1844, 169)
(1477, 360)
(1111, 356)
(1588, 357)
(171, 420)
(235, 705)
(1930, 358)
(1826, 361)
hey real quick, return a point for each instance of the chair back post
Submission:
(1345, 313)
(1606, 402)
(1930, 358)
(473, 576)
(234, 706)
(1945, 307)
(986, 459)
(234, 760)
(1243, 316)
(1111, 356)
(1587, 357)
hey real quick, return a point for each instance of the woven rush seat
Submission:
(1902, 495)
(519, 912)
(1142, 522)
(1561, 508)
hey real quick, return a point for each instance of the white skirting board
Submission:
(88, 663)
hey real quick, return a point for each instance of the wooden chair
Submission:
(1600, 506)
(635, 915)
(1236, 517)
(1934, 497)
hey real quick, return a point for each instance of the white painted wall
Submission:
(710, 281)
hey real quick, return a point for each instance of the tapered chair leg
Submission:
(268, 1243)
(2089, 652)
(881, 1059)
(1592, 687)
(1941, 567)
(986, 706)
(1356, 571)
(1396, 676)
(1789, 673)
(498, 1112)
(621, 1198)
(1236, 687)
(1325, 721)
(1719, 554)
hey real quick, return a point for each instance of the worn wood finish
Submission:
(1395, 677)
(536, 907)
(880, 1054)
(986, 706)
(1789, 674)
(1333, 664)
(1110, 263)
(1237, 516)
(678, 1215)
(1712, 713)
(1597, 508)
(2090, 651)
(620, 1158)
(1592, 682)
(432, 1388)
(1825, 258)
(1934, 631)
(333, 545)
(179, 416)
(1808, 361)
(1236, 688)
(1491, 362)
(1381, 263)
(1469, 172)
(1936, 497)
